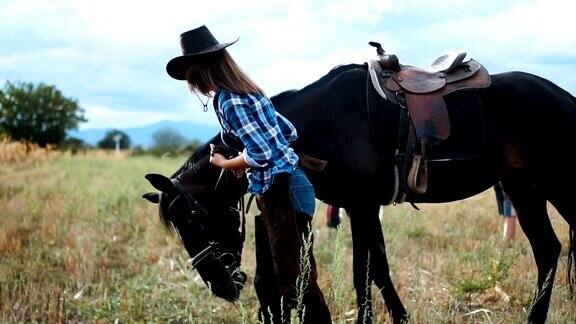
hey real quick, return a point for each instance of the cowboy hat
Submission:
(194, 43)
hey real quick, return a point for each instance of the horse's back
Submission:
(532, 105)
(536, 120)
(533, 90)
(529, 125)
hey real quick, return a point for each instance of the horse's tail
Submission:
(570, 271)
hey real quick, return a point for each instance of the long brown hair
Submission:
(219, 71)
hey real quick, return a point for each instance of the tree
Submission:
(191, 147)
(167, 140)
(73, 144)
(108, 142)
(38, 113)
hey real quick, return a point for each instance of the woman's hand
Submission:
(220, 161)
(237, 164)
(217, 159)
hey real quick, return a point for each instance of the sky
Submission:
(110, 55)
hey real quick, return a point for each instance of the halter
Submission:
(214, 248)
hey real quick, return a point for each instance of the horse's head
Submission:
(202, 205)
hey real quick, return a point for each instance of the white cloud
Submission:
(111, 54)
(534, 27)
(518, 37)
(353, 11)
(108, 117)
(19, 59)
(289, 74)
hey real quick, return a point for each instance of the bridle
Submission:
(214, 248)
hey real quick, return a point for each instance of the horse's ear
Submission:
(161, 183)
(152, 197)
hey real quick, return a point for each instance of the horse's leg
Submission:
(362, 280)
(369, 248)
(381, 272)
(564, 203)
(533, 218)
(286, 233)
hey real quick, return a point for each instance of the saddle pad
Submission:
(467, 134)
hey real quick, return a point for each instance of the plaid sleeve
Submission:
(246, 120)
(288, 130)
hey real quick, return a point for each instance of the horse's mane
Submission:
(336, 71)
(201, 152)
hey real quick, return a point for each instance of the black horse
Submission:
(528, 126)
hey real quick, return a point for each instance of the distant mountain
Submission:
(143, 135)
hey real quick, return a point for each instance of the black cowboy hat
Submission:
(194, 43)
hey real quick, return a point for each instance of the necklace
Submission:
(203, 104)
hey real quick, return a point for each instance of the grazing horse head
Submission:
(201, 203)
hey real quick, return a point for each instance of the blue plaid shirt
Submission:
(265, 133)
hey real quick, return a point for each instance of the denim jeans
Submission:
(505, 208)
(301, 192)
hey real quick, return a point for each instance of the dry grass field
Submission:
(77, 243)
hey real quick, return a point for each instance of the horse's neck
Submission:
(322, 114)
(332, 124)
(200, 154)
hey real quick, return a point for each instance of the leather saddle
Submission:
(421, 92)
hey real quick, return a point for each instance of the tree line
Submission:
(42, 114)
(164, 141)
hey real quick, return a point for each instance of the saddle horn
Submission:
(388, 62)
(379, 50)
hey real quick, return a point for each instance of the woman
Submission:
(286, 196)
(332, 216)
(507, 212)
